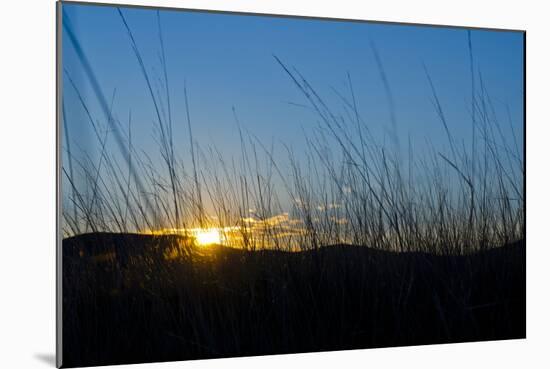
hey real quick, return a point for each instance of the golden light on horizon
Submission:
(208, 236)
(249, 232)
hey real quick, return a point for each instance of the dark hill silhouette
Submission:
(136, 298)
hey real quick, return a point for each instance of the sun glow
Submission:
(249, 232)
(208, 236)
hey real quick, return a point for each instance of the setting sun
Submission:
(208, 236)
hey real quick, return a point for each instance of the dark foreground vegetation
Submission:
(139, 298)
(438, 223)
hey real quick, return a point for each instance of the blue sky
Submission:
(227, 60)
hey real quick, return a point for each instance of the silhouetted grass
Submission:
(376, 250)
(217, 302)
